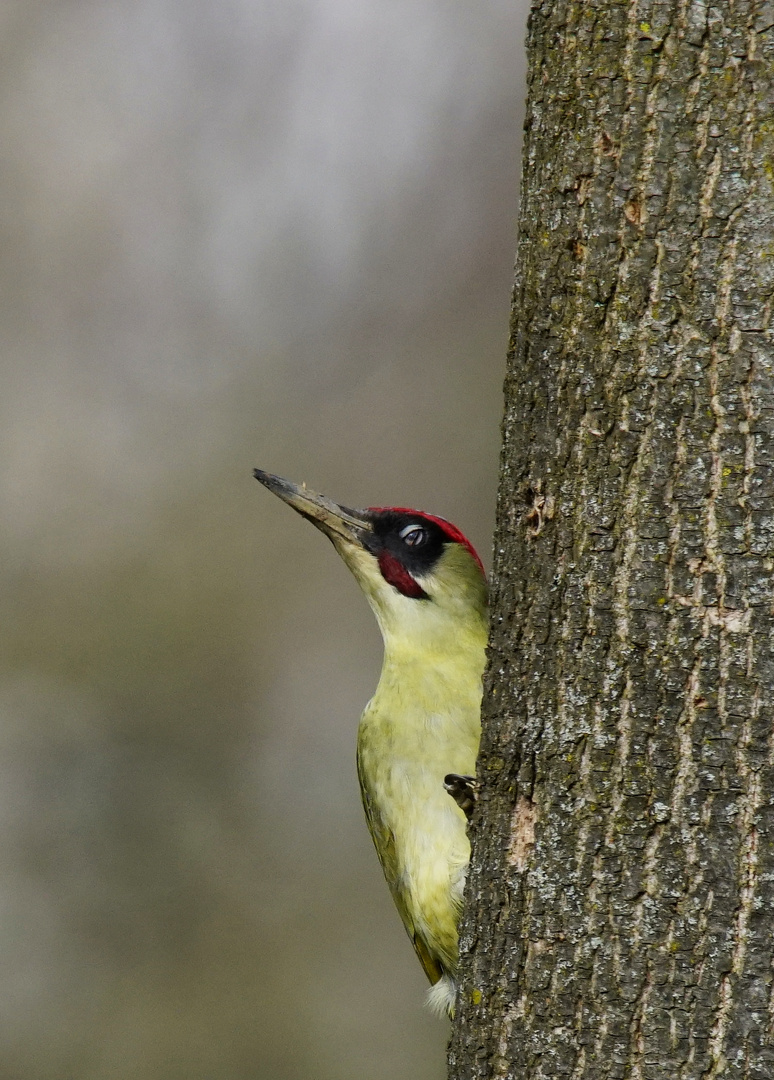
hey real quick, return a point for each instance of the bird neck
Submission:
(434, 645)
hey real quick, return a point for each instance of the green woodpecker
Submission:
(418, 736)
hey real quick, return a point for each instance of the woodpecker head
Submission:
(419, 573)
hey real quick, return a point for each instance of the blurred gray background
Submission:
(234, 233)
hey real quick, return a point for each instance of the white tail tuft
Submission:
(441, 996)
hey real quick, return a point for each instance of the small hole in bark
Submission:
(541, 507)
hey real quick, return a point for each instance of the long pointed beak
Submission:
(337, 522)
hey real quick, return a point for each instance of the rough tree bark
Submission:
(620, 905)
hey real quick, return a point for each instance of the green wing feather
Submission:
(384, 842)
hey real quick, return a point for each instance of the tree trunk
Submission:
(620, 902)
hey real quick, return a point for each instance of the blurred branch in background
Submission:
(233, 234)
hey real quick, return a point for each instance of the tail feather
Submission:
(441, 996)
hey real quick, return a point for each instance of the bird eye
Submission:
(413, 535)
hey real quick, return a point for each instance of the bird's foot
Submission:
(464, 791)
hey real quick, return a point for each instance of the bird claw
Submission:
(464, 791)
